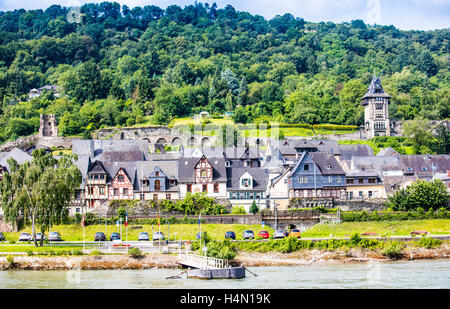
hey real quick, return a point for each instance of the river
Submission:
(432, 274)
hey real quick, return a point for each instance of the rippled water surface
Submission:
(413, 274)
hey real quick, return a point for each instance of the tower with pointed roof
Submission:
(376, 114)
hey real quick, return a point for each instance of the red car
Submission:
(264, 234)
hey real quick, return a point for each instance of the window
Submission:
(157, 174)
(330, 179)
(246, 182)
(157, 185)
(102, 190)
(424, 169)
(168, 197)
(120, 178)
(204, 188)
(95, 177)
(116, 191)
(361, 180)
(360, 193)
(372, 180)
(338, 178)
(77, 210)
(216, 188)
(91, 190)
(155, 197)
(350, 181)
(102, 177)
(227, 164)
(204, 174)
(306, 167)
(125, 191)
(370, 194)
(379, 106)
(142, 196)
(145, 182)
(189, 188)
(329, 166)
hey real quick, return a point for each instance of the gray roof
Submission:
(227, 152)
(112, 150)
(385, 163)
(113, 167)
(324, 160)
(145, 168)
(387, 152)
(259, 175)
(292, 147)
(186, 169)
(19, 155)
(349, 151)
(424, 166)
(375, 90)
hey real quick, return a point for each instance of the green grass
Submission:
(54, 247)
(185, 231)
(391, 228)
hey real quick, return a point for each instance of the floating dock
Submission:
(209, 268)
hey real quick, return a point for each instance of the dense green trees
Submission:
(122, 66)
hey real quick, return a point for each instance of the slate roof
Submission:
(323, 160)
(375, 90)
(292, 147)
(145, 168)
(349, 151)
(425, 166)
(386, 163)
(186, 169)
(259, 175)
(19, 155)
(227, 152)
(387, 152)
(112, 150)
(113, 167)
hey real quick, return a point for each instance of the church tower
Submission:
(376, 113)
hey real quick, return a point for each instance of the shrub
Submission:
(238, 210)
(428, 242)
(10, 260)
(355, 239)
(12, 242)
(30, 252)
(135, 252)
(95, 252)
(221, 250)
(393, 249)
(77, 252)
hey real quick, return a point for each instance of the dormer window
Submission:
(227, 163)
(329, 166)
(246, 182)
(424, 169)
(157, 174)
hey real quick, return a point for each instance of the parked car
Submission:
(143, 236)
(54, 236)
(230, 234)
(279, 234)
(248, 234)
(114, 236)
(100, 236)
(2, 237)
(25, 237)
(264, 234)
(295, 233)
(39, 236)
(158, 236)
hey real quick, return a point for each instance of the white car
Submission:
(39, 236)
(158, 236)
(143, 236)
(25, 237)
(279, 234)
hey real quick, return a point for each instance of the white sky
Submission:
(404, 14)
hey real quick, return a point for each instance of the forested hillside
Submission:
(122, 66)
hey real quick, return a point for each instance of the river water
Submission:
(433, 274)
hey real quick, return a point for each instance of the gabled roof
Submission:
(349, 151)
(259, 176)
(385, 163)
(186, 169)
(425, 165)
(112, 150)
(387, 152)
(97, 168)
(19, 155)
(326, 163)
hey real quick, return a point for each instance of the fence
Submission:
(202, 262)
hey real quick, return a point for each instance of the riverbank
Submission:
(248, 259)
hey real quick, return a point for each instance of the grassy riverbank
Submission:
(381, 228)
(177, 231)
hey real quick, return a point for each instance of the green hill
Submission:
(125, 67)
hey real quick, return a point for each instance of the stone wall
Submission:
(343, 204)
(22, 143)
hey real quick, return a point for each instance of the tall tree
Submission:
(39, 190)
